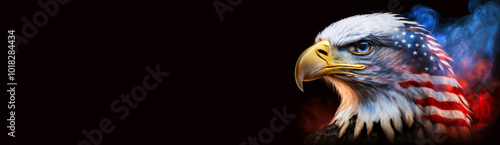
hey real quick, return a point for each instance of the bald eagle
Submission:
(395, 82)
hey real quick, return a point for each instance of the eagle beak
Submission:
(316, 62)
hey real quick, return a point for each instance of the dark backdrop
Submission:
(225, 76)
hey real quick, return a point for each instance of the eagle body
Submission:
(395, 82)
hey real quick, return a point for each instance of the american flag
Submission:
(429, 75)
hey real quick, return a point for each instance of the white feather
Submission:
(397, 124)
(369, 127)
(354, 28)
(343, 129)
(385, 123)
(359, 126)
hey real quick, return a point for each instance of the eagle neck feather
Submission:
(389, 109)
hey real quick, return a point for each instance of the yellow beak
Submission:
(316, 62)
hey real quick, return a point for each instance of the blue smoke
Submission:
(425, 16)
(473, 36)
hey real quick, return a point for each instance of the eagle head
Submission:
(390, 74)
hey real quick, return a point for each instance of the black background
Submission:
(225, 77)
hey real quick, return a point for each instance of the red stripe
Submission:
(437, 88)
(445, 121)
(441, 58)
(414, 70)
(413, 29)
(445, 105)
(440, 51)
(438, 47)
(428, 38)
(442, 54)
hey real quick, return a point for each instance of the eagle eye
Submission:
(361, 48)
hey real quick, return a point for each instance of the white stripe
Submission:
(436, 80)
(414, 23)
(441, 59)
(419, 33)
(449, 114)
(429, 36)
(438, 96)
(439, 52)
(447, 64)
(443, 80)
(465, 102)
(434, 43)
(451, 71)
(434, 48)
(409, 22)
(443, 55)
(420, 28)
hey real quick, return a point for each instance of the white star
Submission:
(396, 43)
(425, 54)
(435, 68)
(403, 41)
(411, 36)
(432, 58)
(409, 45)
(414, 52)
(416, 44)
(426, 69)
(421, 38)
(423, 46)
(404, 33)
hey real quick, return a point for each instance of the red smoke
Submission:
(316, 114)
(477, 83)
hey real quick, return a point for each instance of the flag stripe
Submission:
(439, 52)
(448, 114)
(445, 121)
(414, 70)
(443, 105)
(441, 96)
(430, 80)
(436, 79)
(427, 84)
(438, 88)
